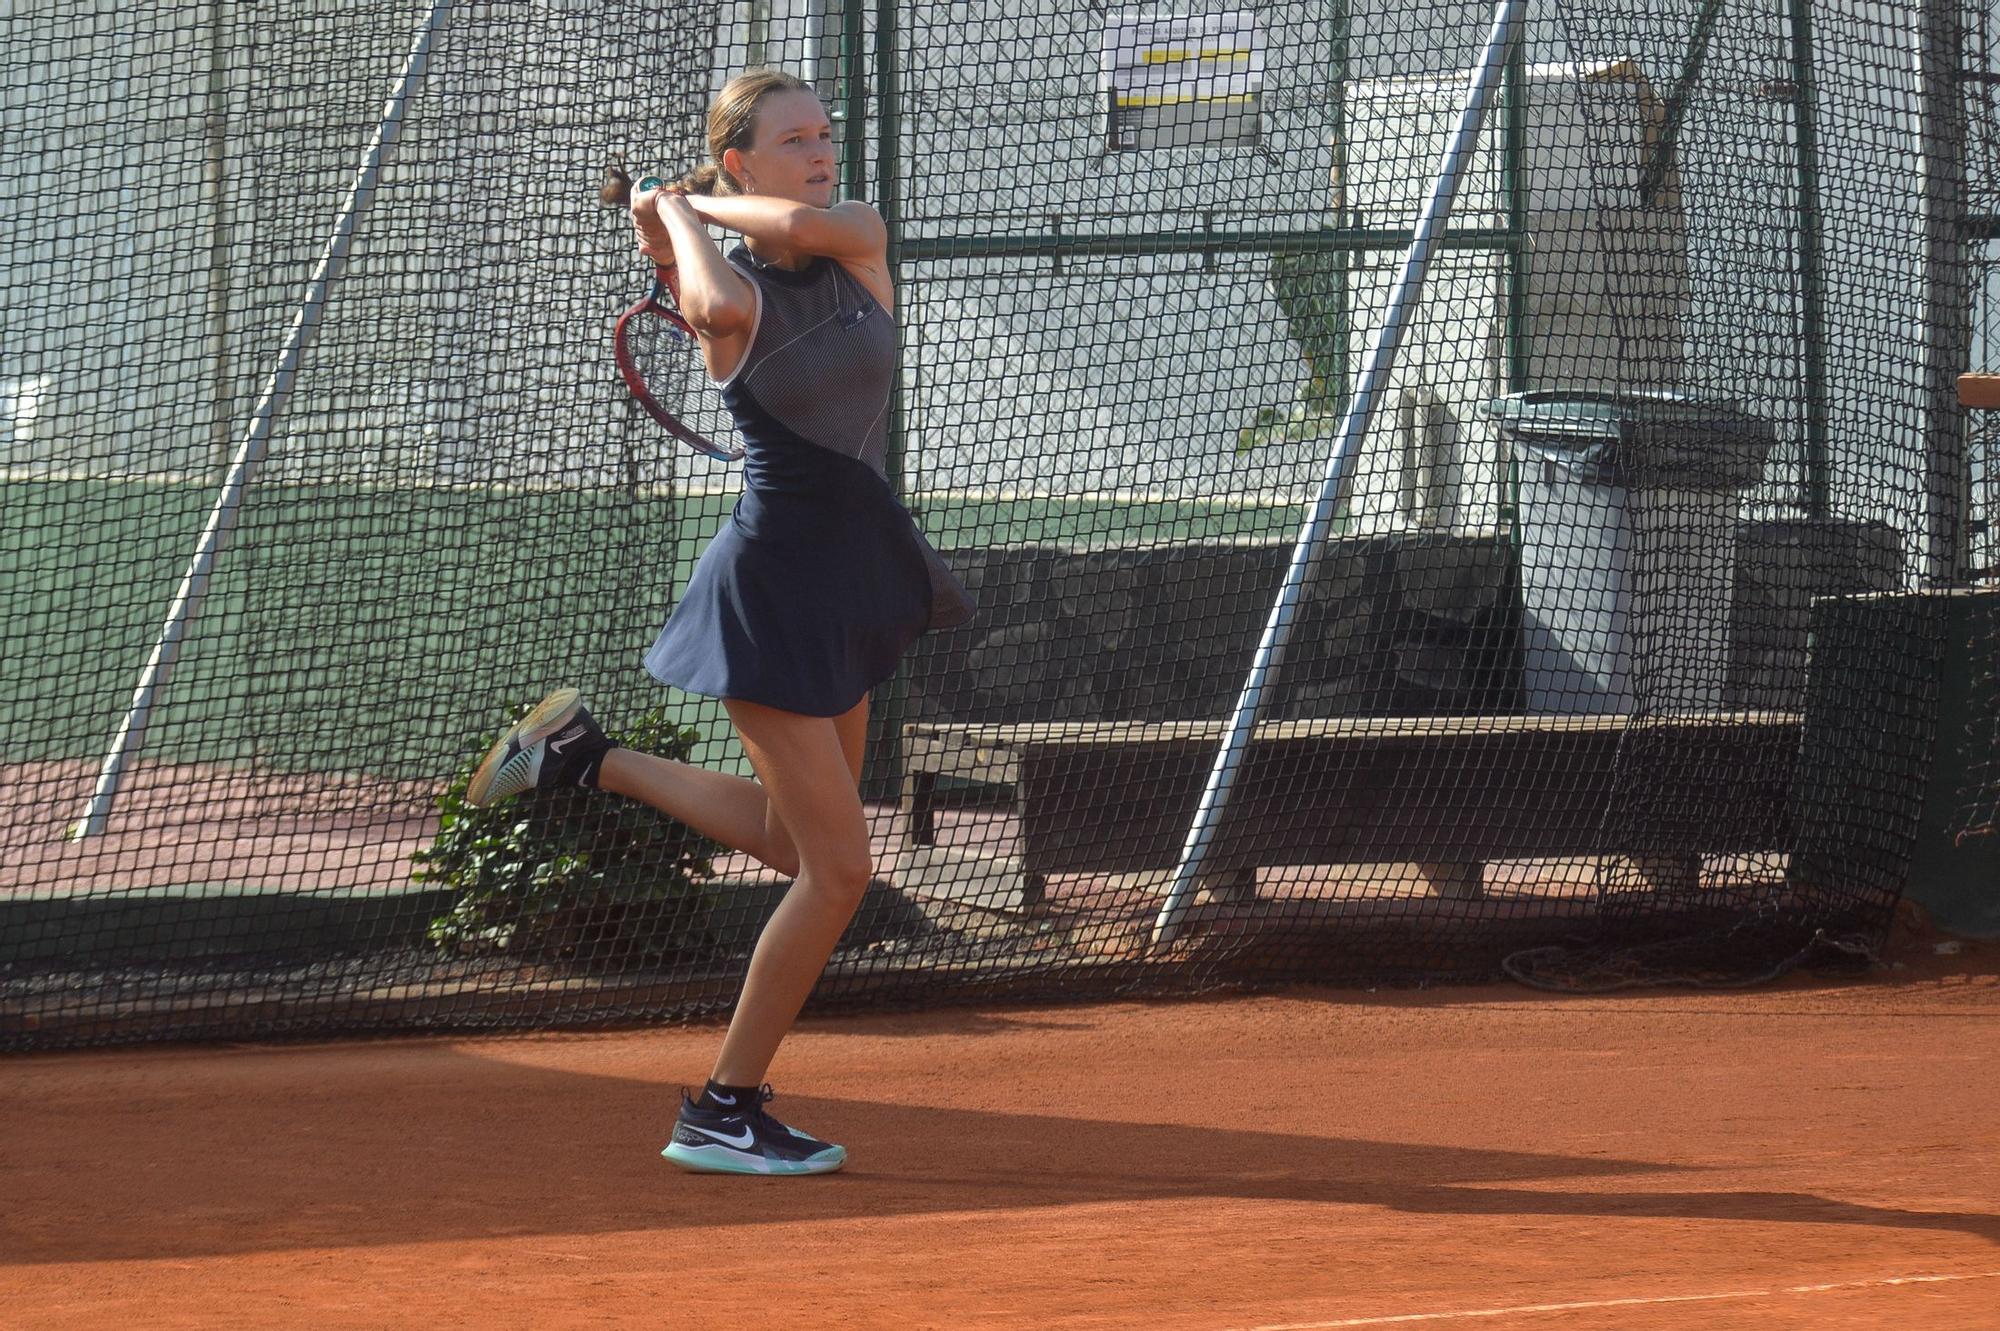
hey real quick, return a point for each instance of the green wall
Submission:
(345, 628)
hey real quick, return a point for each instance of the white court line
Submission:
(1405, 1318)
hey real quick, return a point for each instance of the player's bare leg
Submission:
(731, 809)
(810, 767)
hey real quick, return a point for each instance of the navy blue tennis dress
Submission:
(817, 584)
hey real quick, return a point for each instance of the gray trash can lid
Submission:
(1611, 438)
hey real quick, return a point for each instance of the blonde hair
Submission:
(732, 123)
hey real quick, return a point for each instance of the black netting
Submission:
(1614, 663)
(1976, 744)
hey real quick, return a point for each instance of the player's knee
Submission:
(844, 875)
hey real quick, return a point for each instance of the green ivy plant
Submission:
(573, 875)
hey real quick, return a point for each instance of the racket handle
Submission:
(651, 182)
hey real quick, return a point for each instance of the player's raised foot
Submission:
(556, 744)
(746, 1140)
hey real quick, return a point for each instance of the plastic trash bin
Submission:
(1628, 508)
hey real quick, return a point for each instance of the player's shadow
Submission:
(411, 1143)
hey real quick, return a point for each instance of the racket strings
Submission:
(670, 364)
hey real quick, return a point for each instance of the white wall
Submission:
(470, 339)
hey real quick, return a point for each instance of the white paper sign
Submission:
(1182, 81)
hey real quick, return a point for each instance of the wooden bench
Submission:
(1981, 391)
(1447, 793)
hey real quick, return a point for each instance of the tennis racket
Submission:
(660, 358)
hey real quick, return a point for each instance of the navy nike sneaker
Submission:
(556, 744)
(746, 1140)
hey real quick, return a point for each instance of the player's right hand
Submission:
(648, 231)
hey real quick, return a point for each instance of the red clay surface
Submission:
(1801, 1155)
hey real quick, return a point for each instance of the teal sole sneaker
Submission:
(715, 1140)
(547, 747)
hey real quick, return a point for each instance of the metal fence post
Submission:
(1360, 413)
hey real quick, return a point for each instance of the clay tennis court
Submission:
(1809, 1154)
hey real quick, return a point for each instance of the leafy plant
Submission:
(575, 875)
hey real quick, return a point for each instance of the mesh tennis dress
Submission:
(819, 581)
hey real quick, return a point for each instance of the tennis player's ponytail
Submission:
(618, 189)
(704, 179)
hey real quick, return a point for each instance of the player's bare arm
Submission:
(714, 297)
(850, 231)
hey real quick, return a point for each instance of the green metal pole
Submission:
(1948, 293)
(215, 183)
(1343, 273)
(1812, 315)
(760, 32)
(893, 701)
(889, 194)
(853, 104)
(1514, 184)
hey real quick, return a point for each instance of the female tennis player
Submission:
(805, 599)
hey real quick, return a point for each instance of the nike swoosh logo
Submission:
(724, 1099)
(558, 745)
(744, 1141)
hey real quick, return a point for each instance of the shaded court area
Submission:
(1803, 1155)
